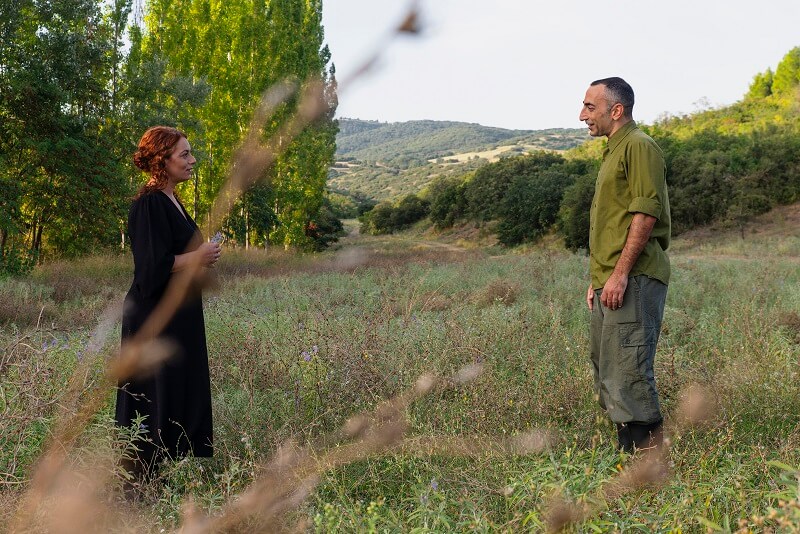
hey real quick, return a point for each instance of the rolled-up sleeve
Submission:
(646, 178)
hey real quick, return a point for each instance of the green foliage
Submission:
(708, 172)
(488, 187)
(387, 218)
(326, 228)
(59, 174)
(573, 215)
(531, 205)
(346, 205)
(761, 86)
(236, 53)
(787, 75)
(448, 203)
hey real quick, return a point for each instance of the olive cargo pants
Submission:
(623, 348)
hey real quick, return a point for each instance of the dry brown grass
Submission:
(645, 469)
(790, 321)
(497, 292)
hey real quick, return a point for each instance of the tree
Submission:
(761, 86)
(787, 75)
(447, 200)
(56, 65)
(573, 214)
(531, 205)
(238, 48)
(486, 190)
(386, 218)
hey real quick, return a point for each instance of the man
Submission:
(628, 237)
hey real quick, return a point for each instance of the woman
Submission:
(176, 399)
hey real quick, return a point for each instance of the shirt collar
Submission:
(620, 134)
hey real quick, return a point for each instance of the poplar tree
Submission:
(237, 49)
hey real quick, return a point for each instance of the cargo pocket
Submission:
(638, 344)
(637, 336)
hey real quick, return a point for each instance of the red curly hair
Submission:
(155, 146)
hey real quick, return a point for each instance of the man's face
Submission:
(596, 113)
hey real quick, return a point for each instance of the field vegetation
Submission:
(512, 441)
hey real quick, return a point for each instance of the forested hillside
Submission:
(724, 165)
(388, 160)
(412, 143)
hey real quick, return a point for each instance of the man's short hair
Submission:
(618, 91)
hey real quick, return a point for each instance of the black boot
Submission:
(648, 436)
(624, 437)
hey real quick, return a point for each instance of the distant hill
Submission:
(386, 160)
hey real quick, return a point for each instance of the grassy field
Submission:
(511, 441)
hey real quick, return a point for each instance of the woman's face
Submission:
(180, 163)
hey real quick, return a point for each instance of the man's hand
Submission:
(590, 298)
(613, 291)
(638, 234)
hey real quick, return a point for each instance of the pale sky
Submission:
(525, 64)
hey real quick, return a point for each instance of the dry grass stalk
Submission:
(649, 468)
(295, 471)
(71, 423)
(697, 407)
(533, 442)
(497, 292)
(562, 513)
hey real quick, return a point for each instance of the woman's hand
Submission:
(208, 254)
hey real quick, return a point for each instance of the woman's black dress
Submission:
(177, 398)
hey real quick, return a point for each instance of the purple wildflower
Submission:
(306, 356)
(434, 484)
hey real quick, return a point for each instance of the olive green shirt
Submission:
(632, 179)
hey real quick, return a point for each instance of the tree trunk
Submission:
(247, 229)
(37, 245)
(34, 227)
(3, 237)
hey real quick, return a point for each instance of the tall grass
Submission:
(295, 351)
